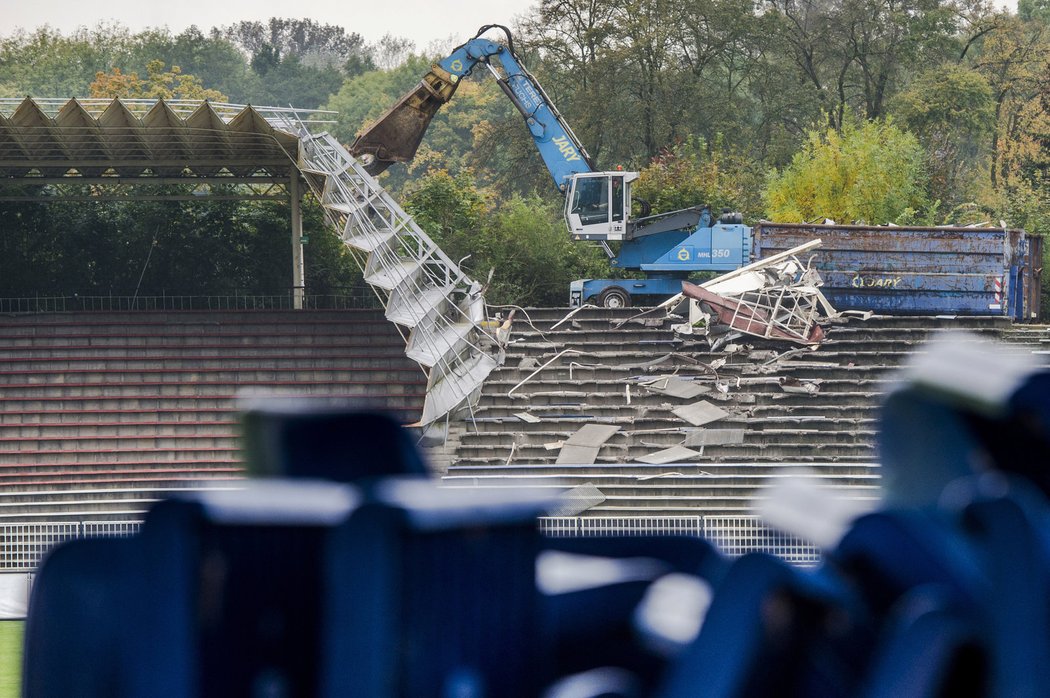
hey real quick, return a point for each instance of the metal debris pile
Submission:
(776, 298)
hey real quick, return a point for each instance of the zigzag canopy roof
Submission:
(59, 139)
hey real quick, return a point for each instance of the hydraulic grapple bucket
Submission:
(396, 135)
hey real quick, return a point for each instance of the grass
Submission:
(11, 658)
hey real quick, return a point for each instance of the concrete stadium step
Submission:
(247, 373)
(141, 401)
(217, 357)
(774, 452)
(181, 468)
(191, 318)
(126, 477)
(832, 431)
(515, 469)
(107, 462)
(761, 445)
(160, 339)
(127, 455)
(192, 441)
(96, 416)
(392, 394)
(84, 430)
(665, 484)
(76, 409)
(80, 502)
(89, 332)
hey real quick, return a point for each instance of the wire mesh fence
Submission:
(564, 526)
(109, 529)
(738, 535)
(23, 545)
(733, 535)
(353, 298)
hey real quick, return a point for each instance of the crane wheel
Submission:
(614, 297)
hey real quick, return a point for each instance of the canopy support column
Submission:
(298, 266)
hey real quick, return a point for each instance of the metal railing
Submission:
(569, 526)
(737, 535)
(355, 298)
(23, 546)
(733, 535)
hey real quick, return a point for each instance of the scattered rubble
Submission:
(675, 387)
(700, 413)
(790, 384)
(675, 454)
(775, 300)
(713, 437)
(583, 446)
(578, 500)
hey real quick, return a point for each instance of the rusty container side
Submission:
(914, 271)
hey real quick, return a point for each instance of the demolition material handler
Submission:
(667, 247)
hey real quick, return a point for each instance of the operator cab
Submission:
(598, 205)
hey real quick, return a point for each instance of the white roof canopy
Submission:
(145, 141)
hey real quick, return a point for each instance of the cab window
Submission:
(591, 200)
(617, 199)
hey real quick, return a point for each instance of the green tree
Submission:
(449, 209)
(871, 173)
(1015, 59)
(1029, 10)
(951, 109)
(534, 260)
(320, 44)
(522, 239)
(158, 84)
(215, 61)
(45, 63)
(691, 174)
(298, 61)
(852, 54)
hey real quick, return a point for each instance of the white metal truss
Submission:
(422, 289)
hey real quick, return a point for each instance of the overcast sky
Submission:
(422, 21)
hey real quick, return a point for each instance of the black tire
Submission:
(614, 297)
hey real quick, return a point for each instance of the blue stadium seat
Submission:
(76, 633)
(770, 630)
(432, 592)
(932, 646)
(337, 441)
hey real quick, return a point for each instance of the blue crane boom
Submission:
(396, 135)
(559, 147)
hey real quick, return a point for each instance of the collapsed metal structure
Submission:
(131, 149)
(775, 298)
